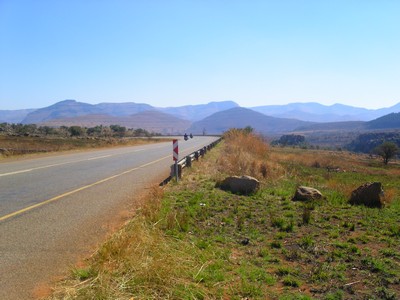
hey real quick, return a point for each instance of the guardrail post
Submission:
(188, 161)
(179, 171)
(175, 171)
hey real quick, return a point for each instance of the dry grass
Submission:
(138, 260)
(244, 153)
(317, 158)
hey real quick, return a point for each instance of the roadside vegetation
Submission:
(21, 139)
(190, 240)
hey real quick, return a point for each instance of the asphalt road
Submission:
(55, 210)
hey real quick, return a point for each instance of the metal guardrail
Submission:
(186, 162)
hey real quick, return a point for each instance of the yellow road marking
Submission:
(77, 190)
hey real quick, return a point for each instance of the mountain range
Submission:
(315, 112)
(211, 118)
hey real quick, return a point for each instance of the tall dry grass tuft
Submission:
(389, 194)
(244, 153)
(345, 188)
(246, 142)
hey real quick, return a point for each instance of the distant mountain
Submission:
(14, 116)
(72, 108)
(198, 112)
(388, 110)
(239, 117)
(153, 121)
(316, 112)
(63, 109)
(123, 109)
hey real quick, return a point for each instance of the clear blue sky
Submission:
(173, 53)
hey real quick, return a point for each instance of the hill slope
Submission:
(389, 121)
(240, 117)
(63, 109)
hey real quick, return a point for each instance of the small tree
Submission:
(387, 151)
(118, 130)
(76, 130)
(248, 129)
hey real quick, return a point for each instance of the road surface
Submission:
(55, 210)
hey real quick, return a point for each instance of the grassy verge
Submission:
(22, 145)
(193, 241)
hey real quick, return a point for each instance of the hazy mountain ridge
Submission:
(14, 116)
(62, 109)
(315, 112)
(73, 108)
(311, 112)
(198, 112)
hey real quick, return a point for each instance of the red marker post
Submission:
(175, 156)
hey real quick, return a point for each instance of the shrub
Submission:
(387, 151)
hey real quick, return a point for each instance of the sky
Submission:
(185, 52)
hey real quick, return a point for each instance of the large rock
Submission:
(305, 193)
(240, 185)
(369, 194)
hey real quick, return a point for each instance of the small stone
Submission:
(305, 193)
(245, 241)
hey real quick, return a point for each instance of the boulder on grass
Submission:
(305, 193)
(369, 194)
(240, 184)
